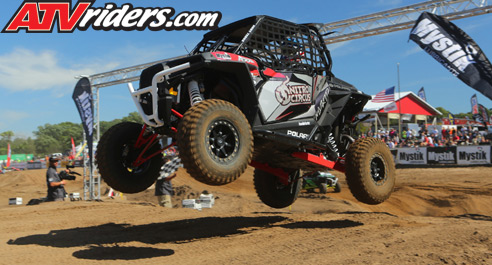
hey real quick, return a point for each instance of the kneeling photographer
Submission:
(55, 181)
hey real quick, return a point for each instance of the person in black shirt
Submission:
(56, 191)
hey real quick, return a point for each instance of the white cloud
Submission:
(23, 70)
(11, 116)
(30, 70)
(412, 51)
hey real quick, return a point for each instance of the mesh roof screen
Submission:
(277, 44)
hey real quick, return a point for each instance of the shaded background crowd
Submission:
(431, 137)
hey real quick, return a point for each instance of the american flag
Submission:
(386, 95)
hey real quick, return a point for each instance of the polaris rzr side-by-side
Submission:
(257, 92)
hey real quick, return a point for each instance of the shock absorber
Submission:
(194, 92)
(333, 145)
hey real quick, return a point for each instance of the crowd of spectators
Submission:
(431, 137)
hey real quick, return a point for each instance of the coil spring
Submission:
(194, 92)
(333, 144)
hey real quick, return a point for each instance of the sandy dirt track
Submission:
(435, 216)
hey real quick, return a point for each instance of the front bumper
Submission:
(153, 118)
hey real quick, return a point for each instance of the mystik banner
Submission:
(473, 155)
(412, 155)
(455, 50)
(479, 112)
(421, 94)
(484, 115)
(82, 95)
(474, 104)
(441, 155)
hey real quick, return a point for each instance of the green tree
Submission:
(132, 117)
(464, 115)
(57, 137)
(46, 144)
(7, 136)
(23, 146)
(5, 139)
(362, 129)
(444, 112)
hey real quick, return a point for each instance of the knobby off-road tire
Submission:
(370, 170)
(215, 142)
(115, 154)
(272, 192)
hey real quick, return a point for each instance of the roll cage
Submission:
(273, 43)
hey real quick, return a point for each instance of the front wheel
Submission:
(115, 155)
(370, 170)
(272, 192)
(215, 142)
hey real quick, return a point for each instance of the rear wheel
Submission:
(272, 192)
(370, 170)
(115, 155)
(215, 142)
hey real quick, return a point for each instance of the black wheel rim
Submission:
(222, 140)
(378, 170)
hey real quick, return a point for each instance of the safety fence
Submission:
(42, 164)
(450, 155)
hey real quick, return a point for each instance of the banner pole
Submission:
(399, 101)
(98, 137)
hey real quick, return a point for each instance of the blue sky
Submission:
(37, 70)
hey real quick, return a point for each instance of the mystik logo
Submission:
(417, 155)
(440, 46)
(40, 17)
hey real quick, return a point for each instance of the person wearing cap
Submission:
(56, 191)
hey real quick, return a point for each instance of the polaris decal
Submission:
(40, 16)
(298, 134)
(287, 93)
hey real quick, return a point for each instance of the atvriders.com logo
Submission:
(40, 17)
